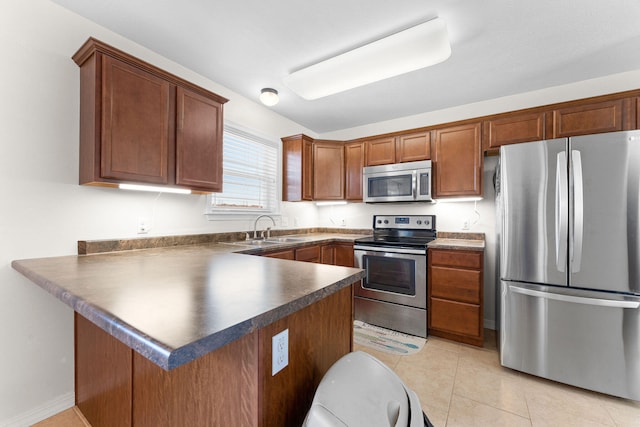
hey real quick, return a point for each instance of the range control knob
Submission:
(386, 221)
(379, 221)
(419, 222)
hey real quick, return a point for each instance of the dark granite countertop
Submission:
(175, 304)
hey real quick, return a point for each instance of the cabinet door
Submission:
(308, 254)
(589, 118)
(414, 147)
(458, 161)
(523, 127)
(297, 168)
(137, 125)
(354, 162)
(344, 254)
(198, 141)
(381, 151)
(328, 171)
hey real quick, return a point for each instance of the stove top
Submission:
(401, 230)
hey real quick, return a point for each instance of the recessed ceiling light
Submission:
(269, 97)
(420, 46)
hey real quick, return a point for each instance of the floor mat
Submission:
(386, 340)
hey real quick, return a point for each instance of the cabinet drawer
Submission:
(456, 317)
(456, 258)
(308, 254)
(455, 284)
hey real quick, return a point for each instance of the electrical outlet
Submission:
(279, 351)
(143, 225)
(465, 224)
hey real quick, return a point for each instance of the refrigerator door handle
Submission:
(600, 302)
(562, 214)
(578, 210)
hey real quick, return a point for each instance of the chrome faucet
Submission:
(255, 227)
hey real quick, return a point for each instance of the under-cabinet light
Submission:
(459, 199)
(155, 189)
(418, 47)
(330, 203)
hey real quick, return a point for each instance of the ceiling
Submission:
(499, 47)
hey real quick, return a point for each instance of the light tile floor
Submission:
(461, 385)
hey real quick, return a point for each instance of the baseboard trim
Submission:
(42, 412)
(490, 324)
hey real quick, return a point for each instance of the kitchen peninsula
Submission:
(183, 335)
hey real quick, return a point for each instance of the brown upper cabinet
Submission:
(381, 151)
(457, 161)
(589, 118)
(312, 170)
(328, 170)
(297, 168)
(413, 147)
(354, 162)
(141, 124)
(514, 128)
(398, 149)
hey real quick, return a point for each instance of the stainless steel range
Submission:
(393, 294)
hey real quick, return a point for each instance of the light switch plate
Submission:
(279, 351)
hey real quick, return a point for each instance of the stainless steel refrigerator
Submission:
(569, 246)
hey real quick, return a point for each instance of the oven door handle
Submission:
(390, 250)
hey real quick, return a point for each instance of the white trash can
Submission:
(359, 390)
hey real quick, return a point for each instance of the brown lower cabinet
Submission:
(455, 295)
(231, 386)
(336, 253)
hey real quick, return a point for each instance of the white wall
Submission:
(44, 212)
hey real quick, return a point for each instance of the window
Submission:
(250, 176)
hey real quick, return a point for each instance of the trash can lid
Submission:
(359, 390)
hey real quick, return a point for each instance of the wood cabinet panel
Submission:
(220, 387)
(458, 161)
(354, 163)
(328, 171)
(103, 373)
(286, 254)
(338, 253)
(589, 118)
(308, 254)
(318, 336)
(381, 151)
(344, 254)
(455, 258)
(413, 147)
(513, 129)
(297, 168)
(455, 284)
(198, 141)
(455, 317)
(135, 124)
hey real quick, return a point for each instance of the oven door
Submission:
(393, 275)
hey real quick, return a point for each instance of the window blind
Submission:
(250, 169)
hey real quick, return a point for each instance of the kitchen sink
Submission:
(253, 243)
(284, 239)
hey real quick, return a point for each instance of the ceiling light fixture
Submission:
(156, 189)
(418, 47)
(269, 97)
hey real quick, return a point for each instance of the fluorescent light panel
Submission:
(155, 189)
(418, 47)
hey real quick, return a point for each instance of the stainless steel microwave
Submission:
(398, 182)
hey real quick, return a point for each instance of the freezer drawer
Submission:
(583, 338)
